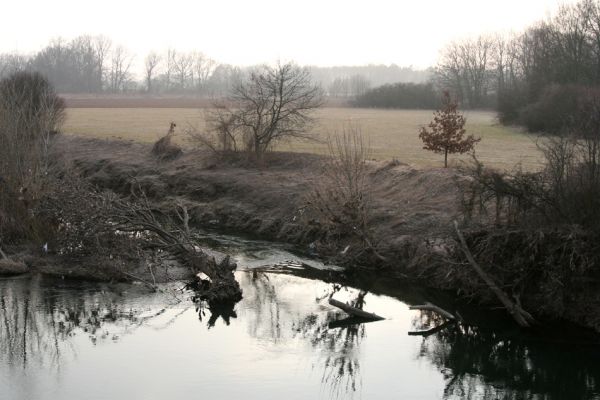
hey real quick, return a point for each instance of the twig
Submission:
(3, 254)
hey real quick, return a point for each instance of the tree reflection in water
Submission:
(487, 364)
(37, 320)
(334, 339)
(337, 343)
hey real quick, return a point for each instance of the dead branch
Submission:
(432, 331)
(348, 309)
(521, 317)
(346, 322)
(435, 309)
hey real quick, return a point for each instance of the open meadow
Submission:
(391, 133)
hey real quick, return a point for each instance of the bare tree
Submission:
(102, 45)
(151, 63)
(183, 63)
(169, 68)
(119, 71)
(202, 69)
(274, 103)
(464, 69)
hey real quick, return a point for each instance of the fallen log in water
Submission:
(357, 312)
(433, 330)
(521, 317)
(349, 321)
(435, 309)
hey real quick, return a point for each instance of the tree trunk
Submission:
(446, 158)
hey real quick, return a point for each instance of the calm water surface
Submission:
(68, 340)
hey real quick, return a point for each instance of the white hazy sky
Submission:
(320, 32)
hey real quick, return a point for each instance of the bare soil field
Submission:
(392, 134)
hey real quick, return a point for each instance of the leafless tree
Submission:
(169, 68)
(102, 45)
(151, 63)
(464, 69)
(203, 67)
(182, 64)
(119, 71)
(274, 103)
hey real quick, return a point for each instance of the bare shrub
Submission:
(220, 135)
(339, 203)
(30, 114)
(164, 149)
(565, 192)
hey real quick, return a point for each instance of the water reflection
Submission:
(38, 318)
(282, 309)
(282, 335)
(480, 363)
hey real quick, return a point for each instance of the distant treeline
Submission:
(400, 95)
(532, 78)
(94, 64)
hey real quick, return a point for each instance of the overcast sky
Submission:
(319, 32)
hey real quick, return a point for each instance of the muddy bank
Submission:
(412, 211)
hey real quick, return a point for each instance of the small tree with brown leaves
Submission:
(446, 133)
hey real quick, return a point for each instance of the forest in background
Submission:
(94, 64)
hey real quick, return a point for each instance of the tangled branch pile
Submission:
(540, 231)
(107, 230)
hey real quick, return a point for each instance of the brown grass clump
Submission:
(164, 149)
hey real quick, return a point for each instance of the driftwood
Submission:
(357, 312)
(433, 330)
(521, 317)
(349, 321)
(438, 310)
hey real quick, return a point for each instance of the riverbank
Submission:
(411, 212)
(410, 208)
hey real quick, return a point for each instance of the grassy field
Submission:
(391, 133)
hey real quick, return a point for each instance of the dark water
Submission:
(68, 340)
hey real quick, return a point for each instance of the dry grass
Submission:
(391, 133)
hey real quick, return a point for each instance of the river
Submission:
(79, 340)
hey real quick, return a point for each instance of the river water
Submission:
(73, 340)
